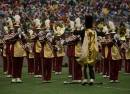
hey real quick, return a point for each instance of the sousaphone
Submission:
(59, 29)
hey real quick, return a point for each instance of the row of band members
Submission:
(44, 49)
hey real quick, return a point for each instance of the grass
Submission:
(33, 85)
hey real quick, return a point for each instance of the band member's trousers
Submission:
(37, 64)
(9, 58)
(54, 64)
(30, 65)
(47, 68)
(91, 71)
(58, 64)
(70, 64)
(98, 66)
(5, 66)
(127, 66)
(17, 67)
(114, 69)
(76, 70)
(106, 67)
(10, 64)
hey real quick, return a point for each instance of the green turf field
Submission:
(33, 85)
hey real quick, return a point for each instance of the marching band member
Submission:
(89, 51)
(8, 48)
(59, 48)
(30, 53)
(18, 53)
(47, 52)
(76, 67)
(127, 49)
(122, 34)
(70, 47)
(127, 54)
(37, 50)
(48, 26)
(106, 55)
(48, 56)
(74, 50)
(5, 64)
(115, 57)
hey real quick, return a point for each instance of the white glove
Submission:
(48, 35)
(62, 41)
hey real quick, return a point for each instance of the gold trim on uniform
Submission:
(38, 46)
(127, 53)
(78, 50)
(61, 52)
(106, 51)
(18, 50)
(48, 51)
(115, 53)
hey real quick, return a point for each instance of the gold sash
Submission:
(106, 52)
(61, 52)
(48, 51)
(127, 54)
(78, 50)
(18, 50)
(115, 53)
(38, 47)
(4, 50)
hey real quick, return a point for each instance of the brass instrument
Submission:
(59, 30)
(72, 39)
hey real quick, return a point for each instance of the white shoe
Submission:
(30, 73)
(111, 81)
(100, 73)
(56, 73)
(19, 80)
(70, 76)
(117, 81)
(59, 73)
(13, 80)
(108, 76)
(85, 81)
(39, 76)
(104, 76)
(91, 80)
(76, 81)
(36, 76)
(9, 76)
(5, 73)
